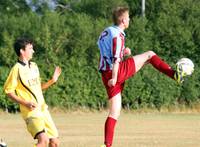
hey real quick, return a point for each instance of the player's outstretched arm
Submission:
(54, 78)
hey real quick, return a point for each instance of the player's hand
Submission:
(30, 105)
(112, 82)
(127, 51)
(56, 74)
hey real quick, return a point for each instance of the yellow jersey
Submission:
(24, 81)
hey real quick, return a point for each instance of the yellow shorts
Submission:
(42, 123)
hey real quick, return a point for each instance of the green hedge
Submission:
(68, 38)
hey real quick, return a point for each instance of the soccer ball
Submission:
(186, 65)
(3, 144)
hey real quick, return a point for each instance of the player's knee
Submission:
(54, 142)
(43, 139)
(115, 114)
(150, 54)
(44, 142)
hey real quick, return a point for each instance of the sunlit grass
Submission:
(85, 129)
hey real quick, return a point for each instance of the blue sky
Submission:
(51, 4)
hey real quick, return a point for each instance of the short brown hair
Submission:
(117, 13)
(21, 43)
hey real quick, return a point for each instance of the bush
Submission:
(68, 39)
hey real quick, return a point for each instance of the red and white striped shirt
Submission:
(111, 44)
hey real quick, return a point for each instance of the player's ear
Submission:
(123, 20)
(21, 51)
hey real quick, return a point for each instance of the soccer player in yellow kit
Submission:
(23, 85)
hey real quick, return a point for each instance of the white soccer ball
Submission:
(3, 144)
(186, 65)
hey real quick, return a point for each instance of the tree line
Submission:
(67, 36)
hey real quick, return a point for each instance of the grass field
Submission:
(81, 129)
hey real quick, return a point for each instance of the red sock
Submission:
(162, 66)
(109, 131)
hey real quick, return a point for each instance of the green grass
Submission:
(81, 129)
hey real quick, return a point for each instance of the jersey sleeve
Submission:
(12, 81)
(117, 48)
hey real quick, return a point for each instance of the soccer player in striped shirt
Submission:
(115, 70)
(23, 85)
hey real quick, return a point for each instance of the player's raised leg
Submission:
(151, 57)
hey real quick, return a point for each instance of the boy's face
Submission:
(27, 53)
(126, 19)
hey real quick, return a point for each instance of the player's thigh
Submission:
(141, 59)
(115, 106)
(50, 127)
(35, 125)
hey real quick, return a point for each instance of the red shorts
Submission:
(126, 70)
